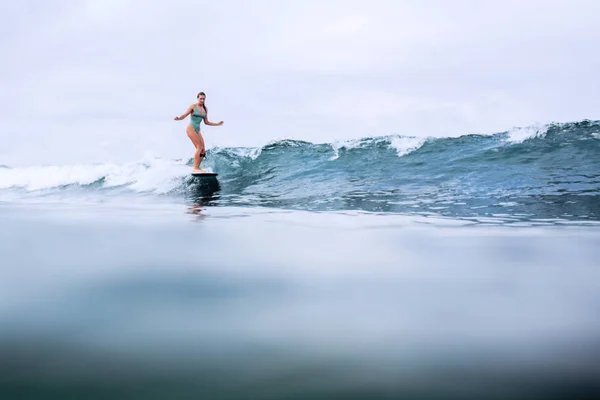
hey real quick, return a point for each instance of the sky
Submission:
(100, 81)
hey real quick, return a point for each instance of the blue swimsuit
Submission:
(196, 119)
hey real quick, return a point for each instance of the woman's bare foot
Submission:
(197, 170)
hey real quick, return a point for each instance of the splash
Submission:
(521, 134)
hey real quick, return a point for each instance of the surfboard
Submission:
(203, 185)
(204, 174)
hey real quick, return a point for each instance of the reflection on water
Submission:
(202, 192)
(564, 208)
(294, 305)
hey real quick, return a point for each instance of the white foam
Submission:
(156, 175)
(42, 177)
(402, 144)
(344, 144)
(521, 134)
(406, 144)
(249, 152)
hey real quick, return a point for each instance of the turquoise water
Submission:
(546, 173)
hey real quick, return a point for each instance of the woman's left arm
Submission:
(207, 122)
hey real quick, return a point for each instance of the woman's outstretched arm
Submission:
(187, 112)
(207, 122)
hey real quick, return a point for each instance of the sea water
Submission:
(386, 267)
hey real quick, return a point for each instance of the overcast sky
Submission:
(101, 80)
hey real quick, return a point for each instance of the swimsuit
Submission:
(196, 119)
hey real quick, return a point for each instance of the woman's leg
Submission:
(200, 150)
(198, 142)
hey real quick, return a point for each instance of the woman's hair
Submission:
(203, 105)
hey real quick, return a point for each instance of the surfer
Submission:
(198, 114)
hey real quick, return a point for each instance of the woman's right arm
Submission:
(187, 112)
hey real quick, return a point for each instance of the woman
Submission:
(193, 129)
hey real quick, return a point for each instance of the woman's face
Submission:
(201, 99)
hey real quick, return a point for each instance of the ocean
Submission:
(380, 267)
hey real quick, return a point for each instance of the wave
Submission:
(386, 173)
(154, 175)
